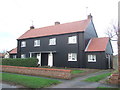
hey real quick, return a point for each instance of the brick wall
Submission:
(113, 79)
(55, 73)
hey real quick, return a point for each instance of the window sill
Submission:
(72, 43)
(37, 46)
(72, 60)
(22, 46)
(51, 45)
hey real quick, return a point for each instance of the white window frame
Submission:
(36, 43)
(23, 56)
(14, 56)
(72, 40)
(91, 58)
(23, 44)
(72, 56)
(52, 41)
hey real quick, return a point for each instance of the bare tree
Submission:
(112, 31)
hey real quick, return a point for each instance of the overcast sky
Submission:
(16, 16)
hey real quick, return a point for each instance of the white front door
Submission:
(50, 59)
(39, 58)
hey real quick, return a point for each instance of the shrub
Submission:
(27, 62)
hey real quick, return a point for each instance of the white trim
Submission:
(36, 43)
(23, 55)
(91, 57)
(70, 56)
(70, 39)
(30, 55)
(39, 59)
(52, 41)
(23, 43)
(88, 45)
(50, 59)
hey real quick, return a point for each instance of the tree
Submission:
(112, 31)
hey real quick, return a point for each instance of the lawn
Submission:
(77, 71)
(28, 81)
(97, 78)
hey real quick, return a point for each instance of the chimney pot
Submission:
(32, 27)
(56, 23)
(90, 16)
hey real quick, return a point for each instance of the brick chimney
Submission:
(90, 16)
(56, 23)
(32, 27)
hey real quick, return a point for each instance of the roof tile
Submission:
(78, 26)
(97, 44)
(13, 51)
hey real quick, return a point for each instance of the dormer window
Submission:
(36, 43)
(23, 44)
(52, 41)
(72, 40)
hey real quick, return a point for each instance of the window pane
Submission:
(23, 56)
(37, 43)
(23, 44)
(91, 58)
(52, 41)
(72, 39)
(72, 57)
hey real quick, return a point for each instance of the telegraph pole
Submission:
(118, 42)
(119, 55)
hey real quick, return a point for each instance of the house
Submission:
(7, 55)
(1, 55)
(13, 53)
(74, 44)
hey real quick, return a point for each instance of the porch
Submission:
(45, 58)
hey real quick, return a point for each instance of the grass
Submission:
(97, 78)
(77, 71)
(72, 72)
(104, 87)
(107, 88)
(28, 81)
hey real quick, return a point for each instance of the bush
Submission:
(27, 62)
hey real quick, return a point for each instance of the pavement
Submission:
(74, 83)
(79, 83)
(4, 85)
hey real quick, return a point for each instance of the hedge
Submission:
(27, 62)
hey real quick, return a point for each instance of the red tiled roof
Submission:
(97, 44)
(13, 51)
(2, 54)
(78, 26)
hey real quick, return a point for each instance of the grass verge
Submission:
(77, 71)
(97, 78)
(28, 81)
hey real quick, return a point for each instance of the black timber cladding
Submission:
(62, 48)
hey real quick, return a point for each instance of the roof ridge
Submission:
(70, 27)
(60, 24)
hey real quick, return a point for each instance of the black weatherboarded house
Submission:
(73, 44)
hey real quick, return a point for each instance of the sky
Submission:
(16, 16)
